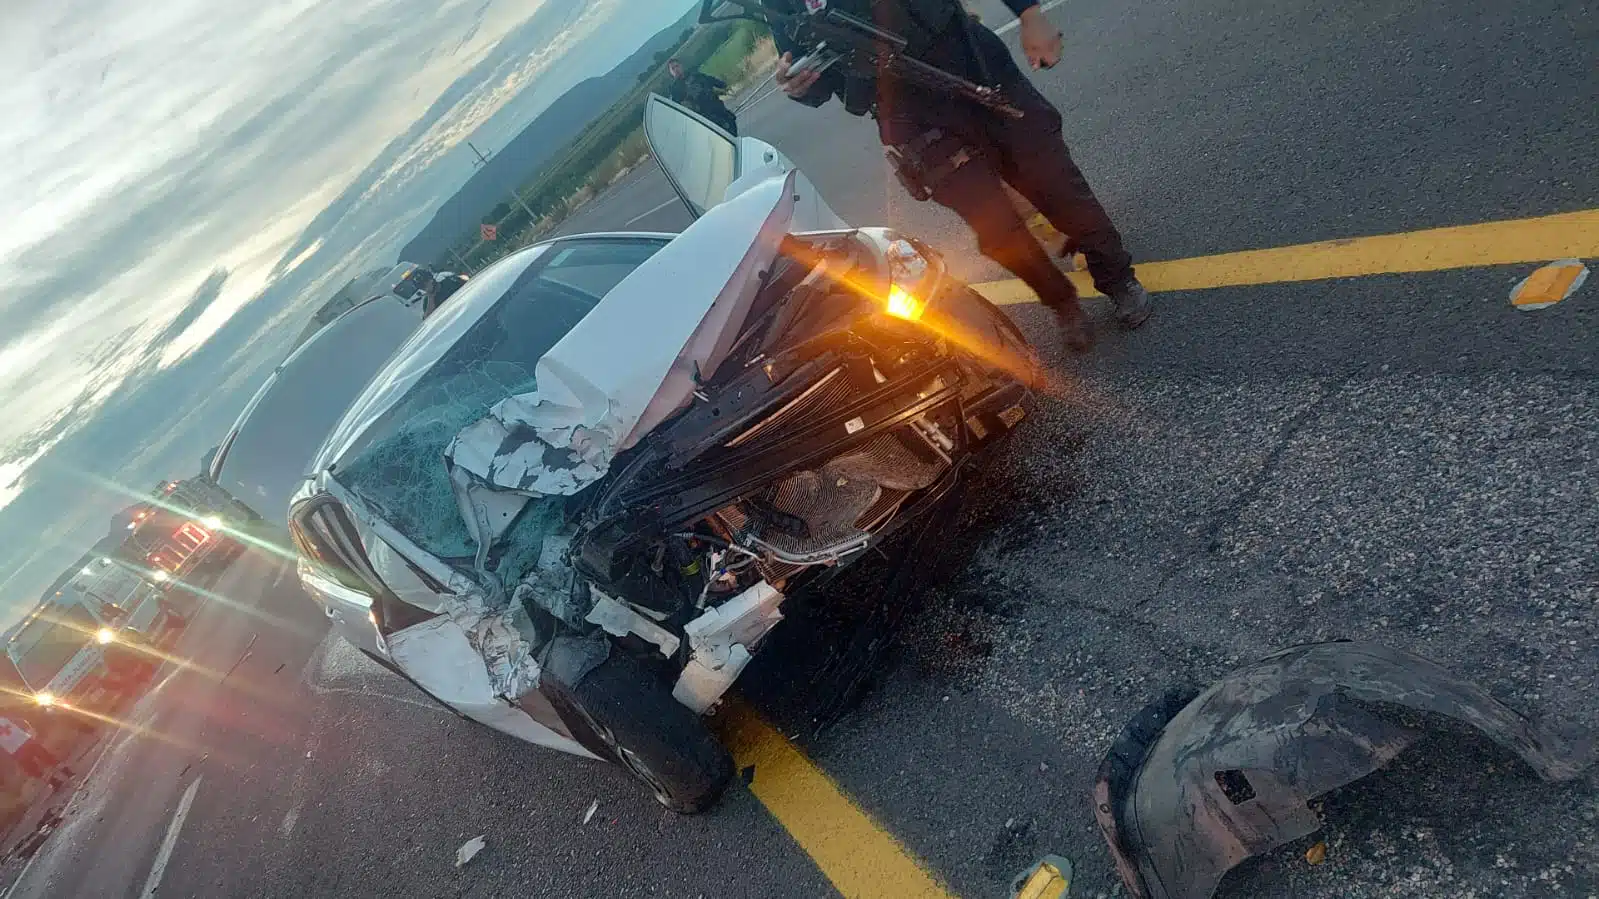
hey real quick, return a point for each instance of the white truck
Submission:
(77, 653)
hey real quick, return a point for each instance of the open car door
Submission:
(706, 166)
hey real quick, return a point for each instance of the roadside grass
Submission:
(612, 145)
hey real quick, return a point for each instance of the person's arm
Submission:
(1041, 40)
(810, 90)
(716, 83)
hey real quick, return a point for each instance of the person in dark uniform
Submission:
(442, 286)
(965, 152)
(703, 94)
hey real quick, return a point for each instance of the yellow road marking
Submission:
(1571, 234)
(859, 857)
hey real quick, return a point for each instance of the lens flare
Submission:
(105, 636)
(901, 303)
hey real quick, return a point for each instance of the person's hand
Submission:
(797, 85)
(1041, 41)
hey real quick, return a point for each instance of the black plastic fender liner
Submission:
(1197, 783)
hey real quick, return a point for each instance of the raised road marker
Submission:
(1549, 285)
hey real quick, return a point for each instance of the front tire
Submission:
(623, 712)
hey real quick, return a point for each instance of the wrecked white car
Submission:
(575, 501)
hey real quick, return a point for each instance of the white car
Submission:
(267, 453)
(574, 502)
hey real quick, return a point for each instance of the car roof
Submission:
(261, 461)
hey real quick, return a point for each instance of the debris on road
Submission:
(248, 651)
(1317, 854)
(469, 850)
(1050, 878)
(589, 815)
(1549, 285)
(1207, 779)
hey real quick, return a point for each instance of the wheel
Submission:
(623, 712)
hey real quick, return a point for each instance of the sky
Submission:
(185, 182)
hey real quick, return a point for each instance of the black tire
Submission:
(623, 712)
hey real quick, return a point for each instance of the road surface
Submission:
(1399, 457)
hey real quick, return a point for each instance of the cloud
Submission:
(186, 181)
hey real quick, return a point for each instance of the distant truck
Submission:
(187, 536)
(126, 599)
(70, 657)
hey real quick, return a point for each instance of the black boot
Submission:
(1076, 332)
(1132, 303)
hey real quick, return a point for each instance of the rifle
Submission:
(836, 36)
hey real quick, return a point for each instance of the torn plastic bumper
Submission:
(1199, 781)
(723, 641)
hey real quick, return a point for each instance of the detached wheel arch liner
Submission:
(1200, 780)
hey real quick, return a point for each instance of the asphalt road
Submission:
(1401, 458)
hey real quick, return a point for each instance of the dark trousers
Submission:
(1031, 156)
(725, 118)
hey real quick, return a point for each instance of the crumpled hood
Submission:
(635, 358)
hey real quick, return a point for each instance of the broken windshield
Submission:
(399, 471)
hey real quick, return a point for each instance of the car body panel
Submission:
(269, 450)
(349, 611)
(707, 166)
(439, 657)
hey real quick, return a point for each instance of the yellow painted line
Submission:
(859, 857)
(1518, 241)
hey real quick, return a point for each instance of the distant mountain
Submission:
(517, 161)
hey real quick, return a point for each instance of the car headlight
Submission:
(104, 636)
(45, 698)
(159, 576)
(912, 280)
(901, 303)
(211, 522)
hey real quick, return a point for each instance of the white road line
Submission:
(23, 874)
(286, 829)
(283, 572)
(646, 215)
(164, 854)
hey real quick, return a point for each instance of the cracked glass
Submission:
(400, 472)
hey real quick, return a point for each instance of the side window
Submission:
(698, 159)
